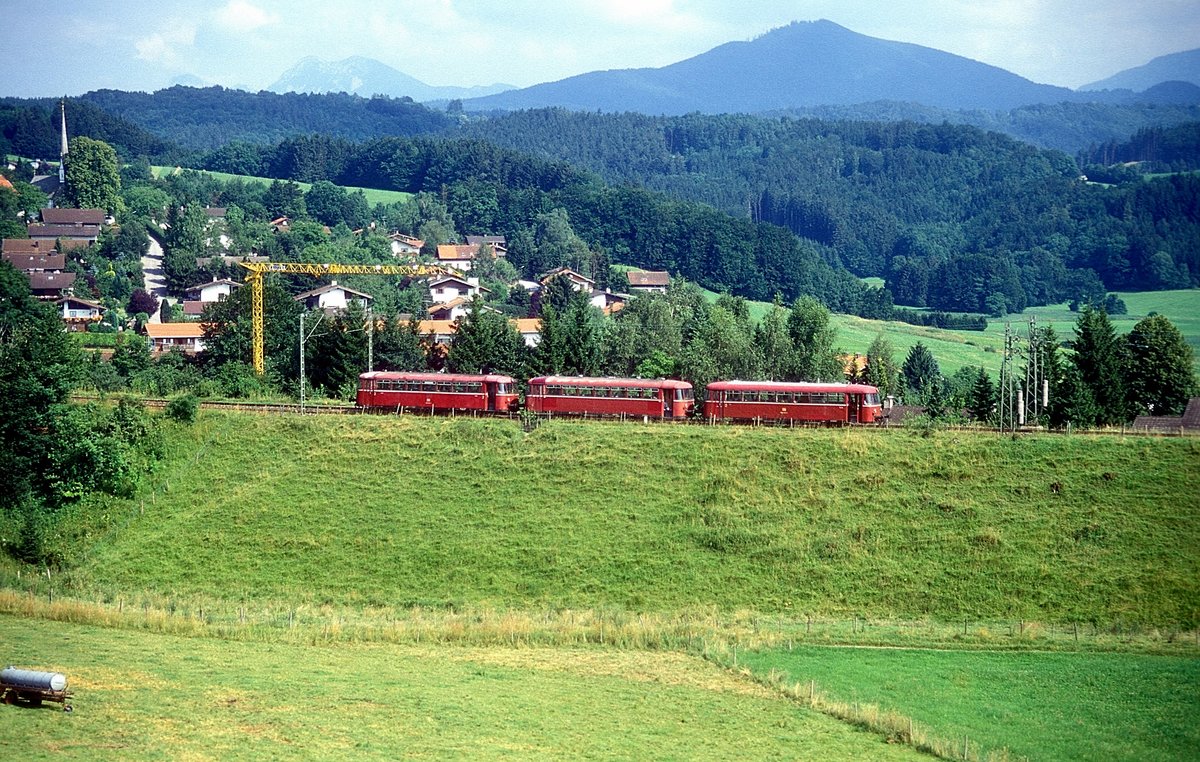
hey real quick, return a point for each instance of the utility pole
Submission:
(1008, 383)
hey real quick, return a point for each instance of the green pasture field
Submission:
(958, 349)
(374, 195)
(145, 696)
(1043, 706)
(399, 511)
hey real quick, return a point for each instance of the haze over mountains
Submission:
(366, 77)
(803, 65)
(1176, 67)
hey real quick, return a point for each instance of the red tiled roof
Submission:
(62, 216)
(28, 262)
(88, 232)
(648, 278)
(54, 281)
(456, 251)
(26, 246)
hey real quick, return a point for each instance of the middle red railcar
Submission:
(579, 395)
(435, 392)
(803, 402)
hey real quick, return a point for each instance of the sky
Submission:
(75, 46)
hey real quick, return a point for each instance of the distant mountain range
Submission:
(803, 64)
(366, 77)
(1176, 67)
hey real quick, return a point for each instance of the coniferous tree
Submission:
(1100, 358)
(882, 371)
(1072, 403)
(581, 338)
(920, 370)
(981, 406)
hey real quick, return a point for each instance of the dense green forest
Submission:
(929, 208)
(1159, 149)
(953, 218)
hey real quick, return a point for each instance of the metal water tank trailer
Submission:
(33, 680)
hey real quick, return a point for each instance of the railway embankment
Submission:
(461, 512)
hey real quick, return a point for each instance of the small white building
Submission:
(215, 291)
(450, 287)
(333, 297)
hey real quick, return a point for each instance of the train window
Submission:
(501, 388)
(872, 399)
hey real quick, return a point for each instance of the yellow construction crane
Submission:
(254, 279)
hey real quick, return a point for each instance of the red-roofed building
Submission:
(50, 285)
(64, 216)
(165, 337)
(653, 281)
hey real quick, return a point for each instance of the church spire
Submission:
(62, 157)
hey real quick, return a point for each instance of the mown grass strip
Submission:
(1032, 705)
(147, 696)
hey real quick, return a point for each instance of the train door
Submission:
(854, 403)
(668, 397)
(491, 394)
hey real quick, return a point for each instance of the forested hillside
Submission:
(950, 216)
(206, 118)
(491, 189)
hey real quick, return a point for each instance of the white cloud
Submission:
(164, 47)
(241, 16)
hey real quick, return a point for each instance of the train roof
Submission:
(791, 386)
(444, 377)
(640, 383)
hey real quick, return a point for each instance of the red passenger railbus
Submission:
(436, 392)
(792, 402)
(578, 395)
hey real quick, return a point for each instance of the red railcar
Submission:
(436, 392)
(578, 395)
(786, 401)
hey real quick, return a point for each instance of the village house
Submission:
(497, 242)
(452, 287)
(648, 281)
(80, 235)
(458, 256)
(74, 217)
(213, 291)
(77, 314)
(333, 298)
(185, 337)
(578, 281)
(196, 297)
(27, 246)
(33, 262)
(405, 245)
(50, 286)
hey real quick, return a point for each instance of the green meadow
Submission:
(314, 587)
(958, 349)
(1045, 706)
(374, 195)
(147, 696)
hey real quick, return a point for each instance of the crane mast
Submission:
(254, 279)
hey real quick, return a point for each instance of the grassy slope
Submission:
(1037, 705)
(374, 195)
(146, 696)
(882, 524)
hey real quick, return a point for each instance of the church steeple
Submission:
(62, 152)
